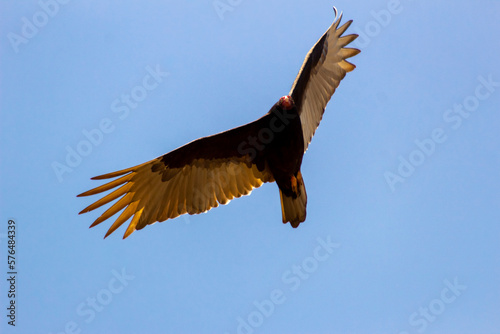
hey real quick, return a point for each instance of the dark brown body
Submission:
(284, 154)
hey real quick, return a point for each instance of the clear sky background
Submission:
(403, 175)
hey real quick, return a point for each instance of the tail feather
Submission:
(294, 209)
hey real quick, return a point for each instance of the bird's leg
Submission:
(295, 182)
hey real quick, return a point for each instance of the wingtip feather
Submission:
(120, 172)
(335, 11)
(347, 66)
(338, 18)
(348, 52)
(133, 224)
(343, 28)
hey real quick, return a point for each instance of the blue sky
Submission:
(402, 233)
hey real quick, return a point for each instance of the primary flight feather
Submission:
(213, 170)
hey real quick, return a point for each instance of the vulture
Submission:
(213, 170)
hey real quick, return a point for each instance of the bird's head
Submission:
(286, 102)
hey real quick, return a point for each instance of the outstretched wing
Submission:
(324, 67)
(191, 179)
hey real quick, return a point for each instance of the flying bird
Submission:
(213, 170)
